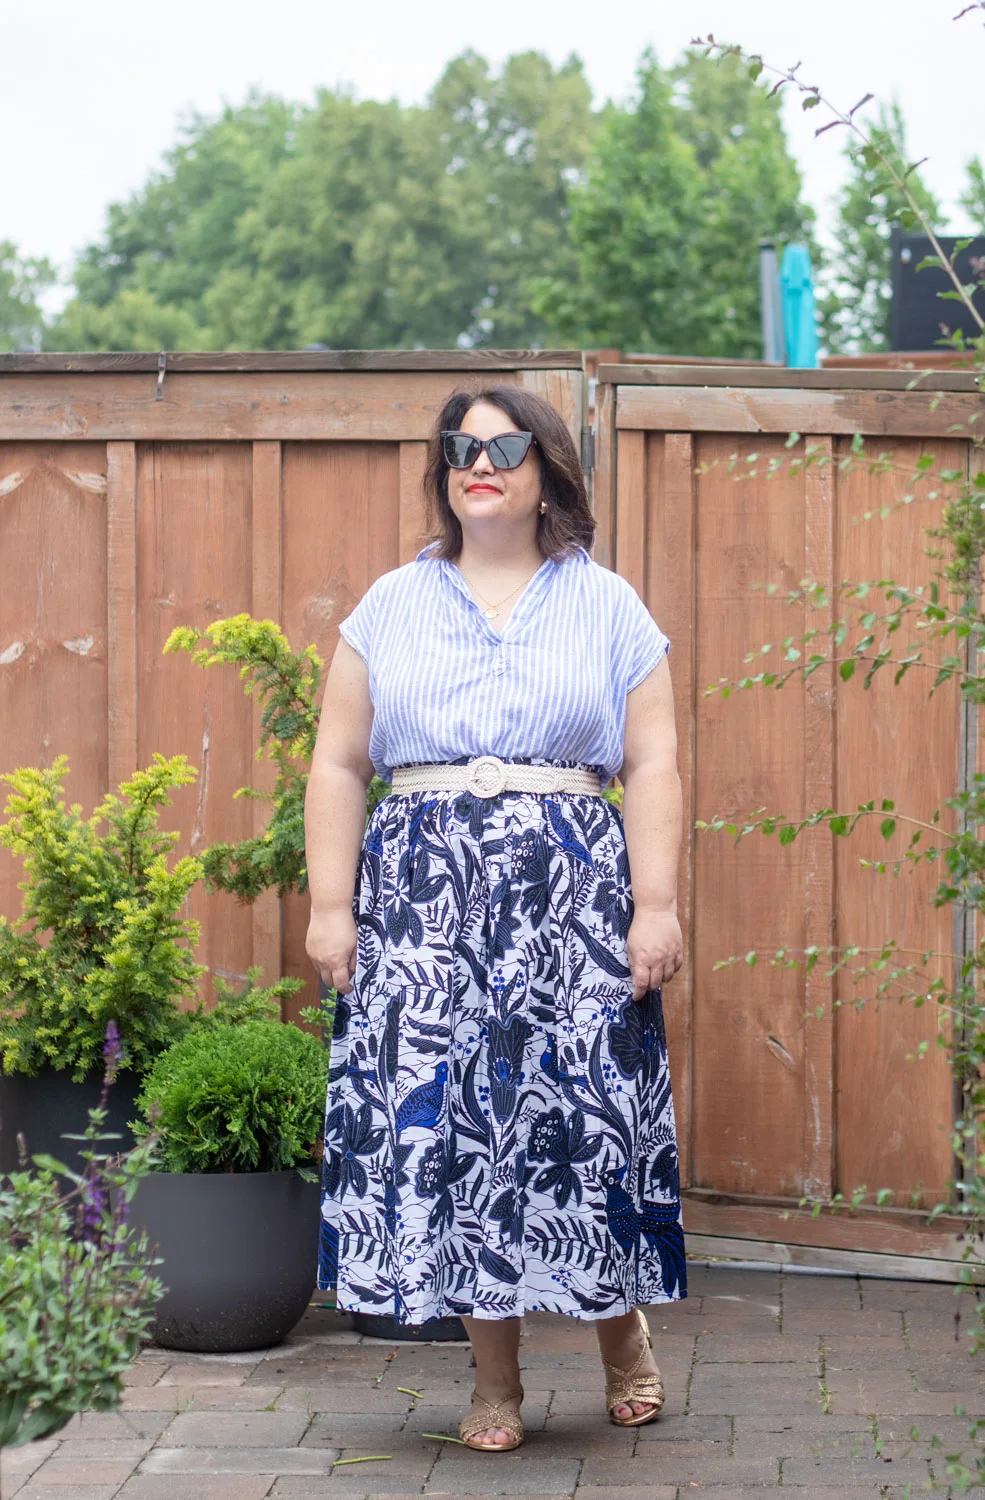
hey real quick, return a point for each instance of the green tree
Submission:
(635, 267)
(516, 142)
(134, 319)
(972, 200)
(349, 223)
(143, 284)
(751, 190)
(854, 306)
(666, 229)
(360, 239)
(22, 284)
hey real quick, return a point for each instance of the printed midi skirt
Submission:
(499, 1135)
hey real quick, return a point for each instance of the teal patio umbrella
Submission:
(799, 320)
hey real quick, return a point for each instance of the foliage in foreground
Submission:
(249, 1098)
(76, 1290)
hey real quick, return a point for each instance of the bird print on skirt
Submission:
(499, 1134)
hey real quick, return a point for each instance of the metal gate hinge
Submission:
(587, 449)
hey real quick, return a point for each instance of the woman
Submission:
(500, 1131)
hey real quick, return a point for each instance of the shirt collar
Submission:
(425, 555)
(450, 573)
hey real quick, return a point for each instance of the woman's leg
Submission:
(496, 1346)
(620, 1343)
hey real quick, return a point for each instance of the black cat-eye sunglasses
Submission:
(507, 451)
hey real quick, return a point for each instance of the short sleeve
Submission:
(643, 643)
(357, 629)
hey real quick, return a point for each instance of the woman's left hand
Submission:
(655, 950)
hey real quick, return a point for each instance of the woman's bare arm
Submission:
(653, 814)
(335, 816)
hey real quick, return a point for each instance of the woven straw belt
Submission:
(488, 776)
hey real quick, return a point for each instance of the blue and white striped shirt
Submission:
(553, 686)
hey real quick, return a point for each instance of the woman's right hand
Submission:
(331, 946)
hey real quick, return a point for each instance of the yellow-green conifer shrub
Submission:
(101, 937)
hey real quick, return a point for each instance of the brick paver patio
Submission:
(778, 1384)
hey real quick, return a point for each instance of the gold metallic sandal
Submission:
(493, 1414)
(625, 1386)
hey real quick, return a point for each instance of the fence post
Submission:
(121, 608)
(266, 604)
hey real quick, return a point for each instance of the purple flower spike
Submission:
(112, 1050)
(93, 1210)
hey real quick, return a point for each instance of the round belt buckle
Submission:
(486, 776)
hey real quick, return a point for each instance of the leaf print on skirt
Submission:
(499, 1128)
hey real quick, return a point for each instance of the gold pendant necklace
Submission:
(492, 610)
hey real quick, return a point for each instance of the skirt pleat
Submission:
(499, 1133)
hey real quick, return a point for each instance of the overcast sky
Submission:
(92, 92)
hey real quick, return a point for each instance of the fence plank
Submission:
(565, 390)
(267, 548)
(742, 410)
(410, 361)
(670, 597)
(604, 478)
(631, 508)
(341, 531)
(867, 1229)
(382, 406)
(748, 1022)
(53, 636)
(893, 1110)
(413, 457)
(194, 566)
(121, 608)
(819, 726)
(776, 377)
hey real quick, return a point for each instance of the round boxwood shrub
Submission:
(248, 1098)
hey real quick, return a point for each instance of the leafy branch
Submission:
(899, 172)
(286, 684)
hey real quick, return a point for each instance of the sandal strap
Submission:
(493, 1414)
(647, 1388)
(624, 1386)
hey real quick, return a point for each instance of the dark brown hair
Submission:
(569, 522)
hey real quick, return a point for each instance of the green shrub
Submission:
(247, 1098)
(254, 1002)
(101, 937)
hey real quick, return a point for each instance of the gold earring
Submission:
(543, 507)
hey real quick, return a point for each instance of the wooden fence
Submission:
(134, 499)
(136, 496)
(775, 1102)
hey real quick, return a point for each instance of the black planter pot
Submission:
(46, 1108)
(438, 1331)
(239, 1254)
